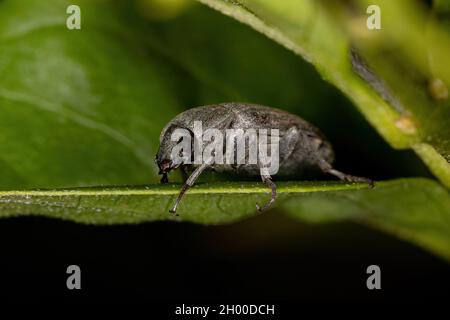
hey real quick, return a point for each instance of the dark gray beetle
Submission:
(304, 152)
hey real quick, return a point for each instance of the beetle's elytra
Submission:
(303, 151)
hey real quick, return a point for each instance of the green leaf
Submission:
(409, 52)
(417, 210)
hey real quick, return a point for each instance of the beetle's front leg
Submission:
(189, 183)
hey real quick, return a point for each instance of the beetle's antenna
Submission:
(268, 181)
(189, 183)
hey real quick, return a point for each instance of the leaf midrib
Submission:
(205, 188)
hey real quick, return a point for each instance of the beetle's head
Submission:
(165, 164)
(173, 150)
(164, 158)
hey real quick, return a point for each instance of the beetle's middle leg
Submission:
(268, 181)
(327, 168)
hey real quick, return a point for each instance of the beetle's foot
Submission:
(164, 178)
(350, 178)
(174, 212)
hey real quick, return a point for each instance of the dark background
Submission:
(269, 258)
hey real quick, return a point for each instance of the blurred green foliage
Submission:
(86, 107)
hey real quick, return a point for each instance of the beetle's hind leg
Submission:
(348, 177)
(327, 168)
(268, 181)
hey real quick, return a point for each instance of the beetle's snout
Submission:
(165, 166)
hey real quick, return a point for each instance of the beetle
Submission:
(304, 152)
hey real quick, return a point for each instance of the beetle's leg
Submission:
(327, 168)
(189, 183)
(193, 177)
(350, 178)
(268, 181)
